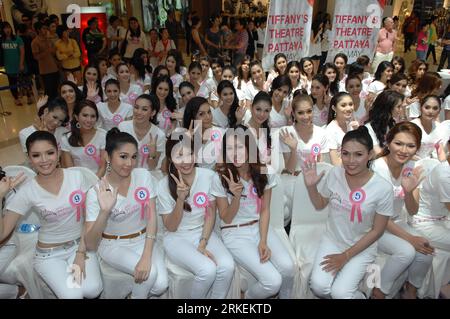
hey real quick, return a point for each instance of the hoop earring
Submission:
(108, 167)
(78, 126)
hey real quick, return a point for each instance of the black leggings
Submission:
(12, 79)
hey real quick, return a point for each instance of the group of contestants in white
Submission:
(124, 124)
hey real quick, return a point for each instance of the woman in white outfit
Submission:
(243, 195)
(319, 94)
(121, 218)
(58, 197)
(360, 204)
(406, 251)
(143, 127)
(187, 206)
(340, 121)
(128, 91)
(113, 111)
(9, 245)
(432, 218)
(300, 142)
(432, 145)
(162, 88)
(84, 145)
(228, 113)
(280, 115)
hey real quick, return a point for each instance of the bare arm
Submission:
(264, 217)
(335, 158)
(66, 160)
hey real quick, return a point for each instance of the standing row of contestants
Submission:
(123, 205)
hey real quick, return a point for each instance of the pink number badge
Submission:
(145, 151)
(201, 201)
(167, 119)
(407, 172)
(315, 151)
(91, 151)
(132, 98)
(117, 119)
(253, 194)
(216, 136)
(357, 197)
(77, 200)
(142, 196)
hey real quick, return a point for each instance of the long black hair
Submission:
(98, 82)
(116, 138)
(380, 115)
(75, 138)
(171, 103)
(232, 120)
(264, 97)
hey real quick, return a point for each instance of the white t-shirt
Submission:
(427, 146)
(210, 152)
(133, 93)
(278, 119)
(248, 204)
(320, 117)
(413, 110)
(200, 191)
(143, 144)
(130, 214)
(108, 120)
(164, 118)
(372, 134)
(376, 87)
(305, 149)
(143, 83)
(435, 192)
(89, 155)
(57, 213)
(340, 228)
(361, 114)
(219, 119)
(335, 134)
(241, 93)
(204, 90)
(26, 132)
(250, 91)
(380, 167)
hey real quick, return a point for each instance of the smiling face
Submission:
(43, 157)
(112, 93)
(308, 67)
(355, 157)
(387, 74)
(183, 159)
(317, 89)
(204, 115)
(32, 5)
(257, 74)
(91, 75)
(171, 63)
(430, 109)
(397, 110)
(303, 113)
(236, 151)
(354, 87)
(162, 91)
(400, 86)
(294, 74)
(54, 119)
(186, 94)
(124, 73)
(281, 65)
(87, 118)
(261, 111)
(227, 96)
(397, 66)
(330, 74)
(195, 75)
(142, 111)
(217, 70)
(123, 160)
(228, 75)
(402, 147)
(68, 94)
(344, 109)
(340, 64)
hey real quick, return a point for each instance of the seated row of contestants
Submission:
(120, 217)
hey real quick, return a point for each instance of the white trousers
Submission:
(54, 266)
(124, 254)
(274, 276)
(403, 257)
(437, 232)
(289, 185)
(181, 249)
(7, 253)
(345, 284)
(380, 57)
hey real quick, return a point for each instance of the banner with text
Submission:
(288, 30)
(355, 28)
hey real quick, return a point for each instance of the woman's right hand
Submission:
(235, 187)
(182, 188)
(310, 173)
(8, 183)
(422, 245)
(289, 139)
(106, 196)
(41, 101)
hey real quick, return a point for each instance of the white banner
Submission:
(355, 28)
(288, 30)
